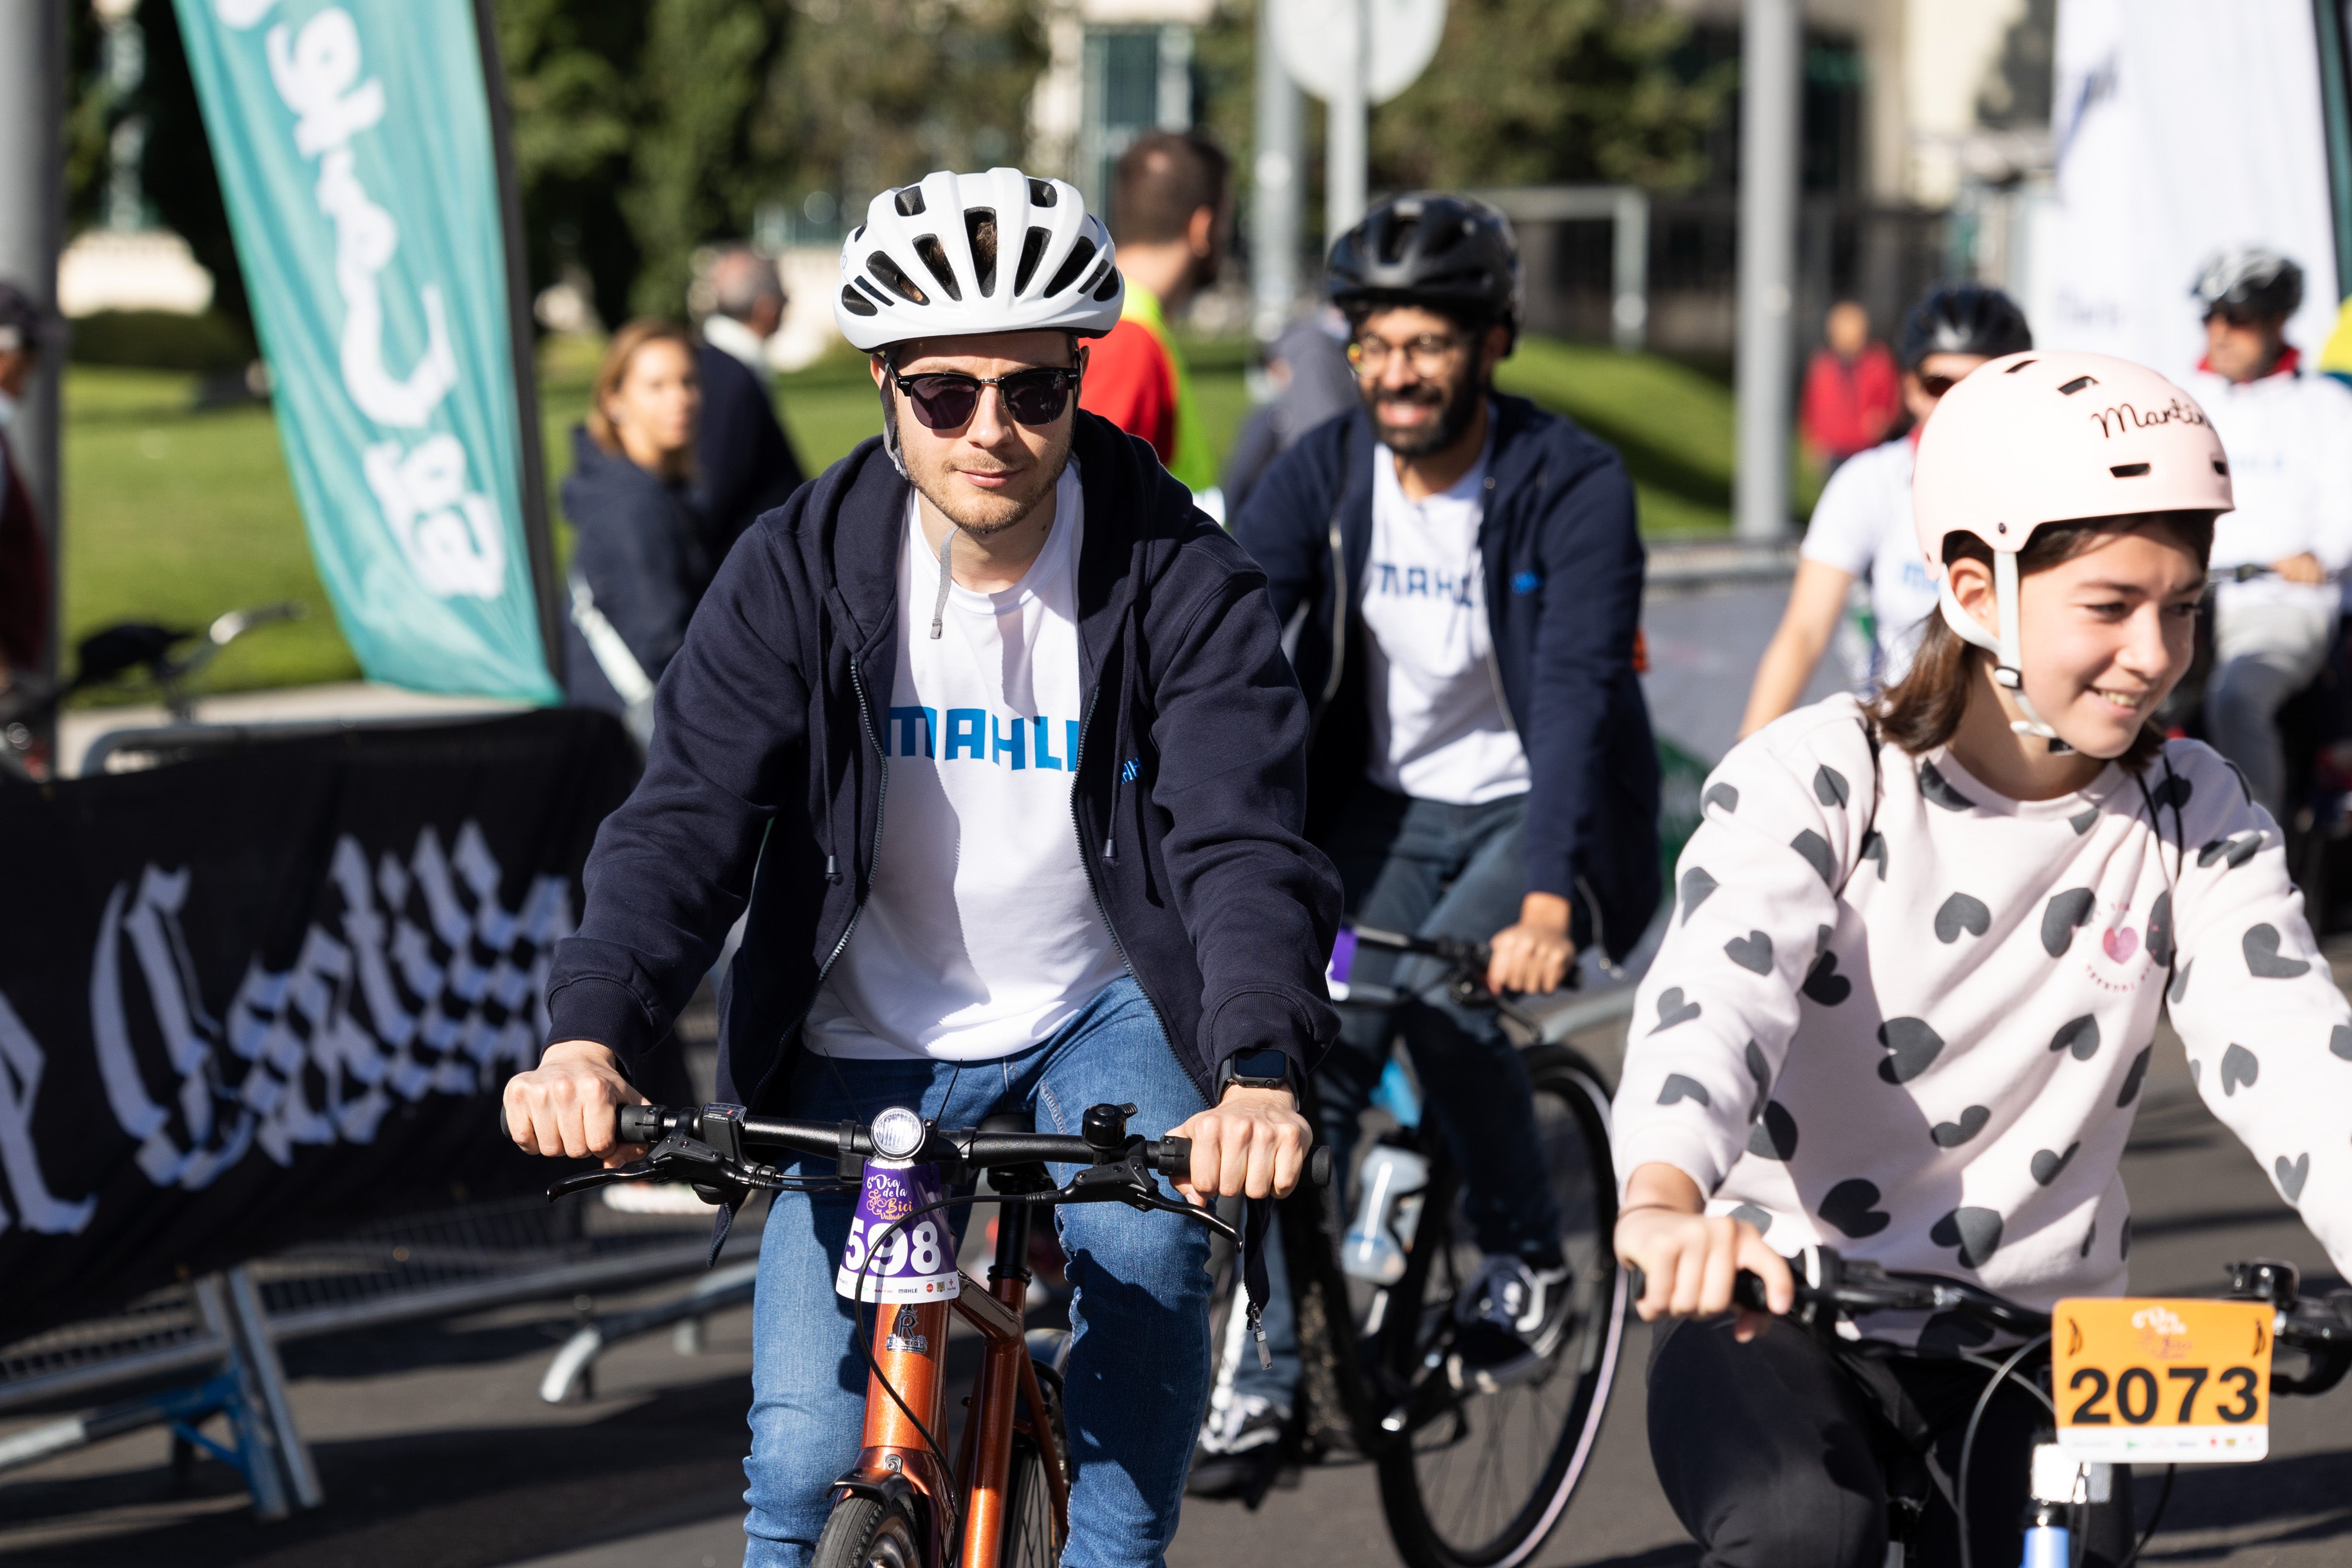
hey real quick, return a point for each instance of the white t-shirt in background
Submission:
(2289, 438)
(980, 935)
(1439, 728)
(1862, 525)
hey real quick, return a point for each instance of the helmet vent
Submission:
(1042, 194)
(1080, 255)
(2129, 470)
(979, 228)
(2020, 364)
(2220, 467)
(909, 200)
(879, 297)
(2077, 384)
(1109, 284)
(856, 303)
(1032, 250)
(896, 281)
(935, 256)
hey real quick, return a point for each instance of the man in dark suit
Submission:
(744, 463)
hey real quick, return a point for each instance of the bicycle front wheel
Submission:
(861, 1532)
(1481, 1478)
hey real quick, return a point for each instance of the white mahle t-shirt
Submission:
(980, 935)
(1439, 728)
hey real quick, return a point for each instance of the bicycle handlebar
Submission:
(1829, 1284)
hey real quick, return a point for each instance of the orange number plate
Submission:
(2146, 1381)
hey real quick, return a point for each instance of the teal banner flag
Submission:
(356, 151)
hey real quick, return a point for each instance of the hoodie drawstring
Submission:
(939, 605)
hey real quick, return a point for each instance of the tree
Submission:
(876, 94)
(1535, 91)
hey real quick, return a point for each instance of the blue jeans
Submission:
(1435, 870)
(1139, 1366)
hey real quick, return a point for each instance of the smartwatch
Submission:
(1266, 1067)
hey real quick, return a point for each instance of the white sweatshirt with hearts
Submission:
(1899, 1015)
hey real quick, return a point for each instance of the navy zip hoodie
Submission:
(767, 782)
(1563, 565)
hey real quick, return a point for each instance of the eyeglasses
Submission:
(1936, 386)
(945, 400)
(1429, 354)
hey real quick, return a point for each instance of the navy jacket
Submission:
(1563, 583)
(765, 783)
(639, 543)
(744, 465)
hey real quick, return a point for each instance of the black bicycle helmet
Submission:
(1453, 254)
(2251, 279)
(1963, 319)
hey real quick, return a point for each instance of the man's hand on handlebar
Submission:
(2303, 569)
(1690, 1262)
(1532, 957)
(1253, 1142)
(565, 1106)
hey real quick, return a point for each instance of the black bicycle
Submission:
(1830, 1288)
(1471, 1474)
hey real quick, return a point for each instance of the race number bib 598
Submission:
(889, 1256)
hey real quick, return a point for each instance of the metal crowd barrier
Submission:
(227, 1327)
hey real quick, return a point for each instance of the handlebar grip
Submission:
(1748, 1291)
(639, 1124)
(1176, 1160)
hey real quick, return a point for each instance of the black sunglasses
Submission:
(1936, 386)
(945, 400)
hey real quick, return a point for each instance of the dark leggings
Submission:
(1777, 1453)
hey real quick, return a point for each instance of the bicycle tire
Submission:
(1510, 1504)
(1032, 1535)
(866, 1533)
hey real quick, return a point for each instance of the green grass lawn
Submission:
(176, 514)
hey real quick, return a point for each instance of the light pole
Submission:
(32, 229)
(1770, 63)
(1275, 188)
(1346, 123)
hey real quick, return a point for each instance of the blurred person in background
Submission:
(1481, 765)
(1861, 529)
(2289, 436)
(639, 563)
(26, 329)
(1307, 368)
(1851, 400)
(744, 463)
(1171, 220)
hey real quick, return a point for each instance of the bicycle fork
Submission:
(909, 1350)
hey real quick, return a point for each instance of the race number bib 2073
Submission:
(890, 1257)
(2151, 1381)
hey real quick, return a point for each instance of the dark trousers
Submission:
(1777, 1453)
(1434, 870)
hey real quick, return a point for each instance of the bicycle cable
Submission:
(2155, 1518)
(1968, 1438)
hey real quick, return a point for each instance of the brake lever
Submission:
(681, 1159)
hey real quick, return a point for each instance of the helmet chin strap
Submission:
(2009, 660)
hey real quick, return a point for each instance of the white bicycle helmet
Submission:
(2050, 437)
(959, 254)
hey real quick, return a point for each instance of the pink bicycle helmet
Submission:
(2050, 437)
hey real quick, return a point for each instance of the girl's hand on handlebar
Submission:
(1253, 1142)
(566, 1106)
(1532, 957)
(1690, 1261)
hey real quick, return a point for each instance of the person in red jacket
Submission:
(1851, 395)
(1170, 217)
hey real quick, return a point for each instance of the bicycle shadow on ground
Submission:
(2307, 1493)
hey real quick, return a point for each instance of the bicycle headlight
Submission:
(897, 1133)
